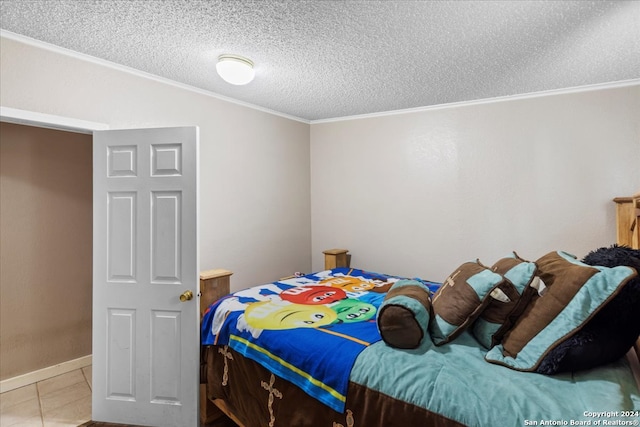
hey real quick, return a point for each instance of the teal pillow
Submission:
(403, 316)
(574, 292)
(460, 300)
(504, 299)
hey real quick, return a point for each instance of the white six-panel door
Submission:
(145, 340)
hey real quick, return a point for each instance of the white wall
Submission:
(253, 163)
(419, 193)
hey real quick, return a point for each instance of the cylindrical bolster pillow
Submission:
(403, 316)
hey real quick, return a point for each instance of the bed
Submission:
(414, 356)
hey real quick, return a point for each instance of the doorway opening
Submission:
(46, 213)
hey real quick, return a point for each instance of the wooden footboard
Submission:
(214, 284)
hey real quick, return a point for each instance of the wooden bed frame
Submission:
(214, 284)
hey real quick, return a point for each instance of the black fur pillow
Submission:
(612, 331)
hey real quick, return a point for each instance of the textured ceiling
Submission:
(324, 59)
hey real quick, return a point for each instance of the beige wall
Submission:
(45, 248)
(420, 193)
(253, 163)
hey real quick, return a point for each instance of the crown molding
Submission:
(143, 74)
(103, 62)
(564, 91)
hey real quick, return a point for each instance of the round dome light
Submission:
(235, 69)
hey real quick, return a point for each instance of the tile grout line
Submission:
(39, 404)
(58, 390)
(90, 389)
(84, 374)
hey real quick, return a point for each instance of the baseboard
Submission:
(43, 374)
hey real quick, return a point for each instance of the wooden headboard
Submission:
(214, 284)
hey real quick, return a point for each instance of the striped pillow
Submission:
(461, 299)
(505, 298)
(574, 293)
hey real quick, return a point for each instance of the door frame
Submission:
(49, 121)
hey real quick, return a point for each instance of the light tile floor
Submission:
(62, 401)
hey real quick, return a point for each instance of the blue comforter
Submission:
(308, 330)
(454, 380)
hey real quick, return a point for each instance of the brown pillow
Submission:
(460, 300)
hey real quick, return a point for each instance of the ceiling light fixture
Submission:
(235, 69)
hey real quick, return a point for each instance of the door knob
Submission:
(186, 296)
